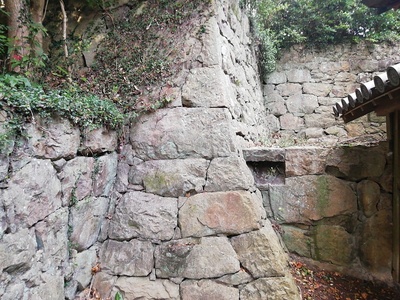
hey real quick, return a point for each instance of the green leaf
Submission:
(118, 296)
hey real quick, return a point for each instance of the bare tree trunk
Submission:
(38, 11)
(17, 30)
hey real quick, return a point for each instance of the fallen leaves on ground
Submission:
(318, 284)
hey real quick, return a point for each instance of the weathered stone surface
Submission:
(144, 216)
(170, 178)
(310, 198)
(207, 87)
(85, 221)
(297, 240)
(50, 235)
(207, 257)
(305, 161)
(289, 89)
(356, 163)
(181, 133)
(99, 140)
(376, 247)
(264, 154)
(211, 43)
(83, 262)
(133, 258)
(50, 288)
(222, 212)
(260, 252)
(17, 251)
(275, 104)
(103, 283)
(28, 201)
(207, 289)
(298, 75)
(55, 138)
(317, 89)
(228, 174)
(143, 288)
(369, 193)
(276, 78)
(4, 162)
(291, 122)
(301, 104)
(76, 179)
(105, 172)
(236, 279)
(334, 244)
(270, 288)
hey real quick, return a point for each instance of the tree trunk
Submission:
(38, 11)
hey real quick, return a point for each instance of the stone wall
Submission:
(300, 95)
(333, 206)
(171, 213)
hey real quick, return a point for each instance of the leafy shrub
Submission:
(22, 100)
(279, 24)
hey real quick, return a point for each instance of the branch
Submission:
(65, 20)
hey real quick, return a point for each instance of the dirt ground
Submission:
(318, 284)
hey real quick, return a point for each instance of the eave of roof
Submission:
(382, 95)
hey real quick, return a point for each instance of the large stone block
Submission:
(277, 288)
(133, 258)
(17, 251)
(144, 288)
(83, 264)
(206, 257)
(356, 163)
(305, 161)
(289, 89)
(228, 174)
(301, 104)
(297, 241)
(291, 122)
(99, 140)
(298, 75)
(261, 253)
(76, 179)
(53, 139)
(182, 133)
(376, 244)
(146, 216)
(369, 194)
(104, 174)
(85, 221)
(207, 289)
(276, 78)
(264, 154)
(208, 87)
(223, 212)
(33, 193)
(317, 89)
(309, 198)
(170, 178)
(334, 244)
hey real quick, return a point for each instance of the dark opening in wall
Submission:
(266, 173)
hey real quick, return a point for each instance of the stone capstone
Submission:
(221, 212)
(206, 257)
(181, 133)
(133, 258)
(146, 216)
